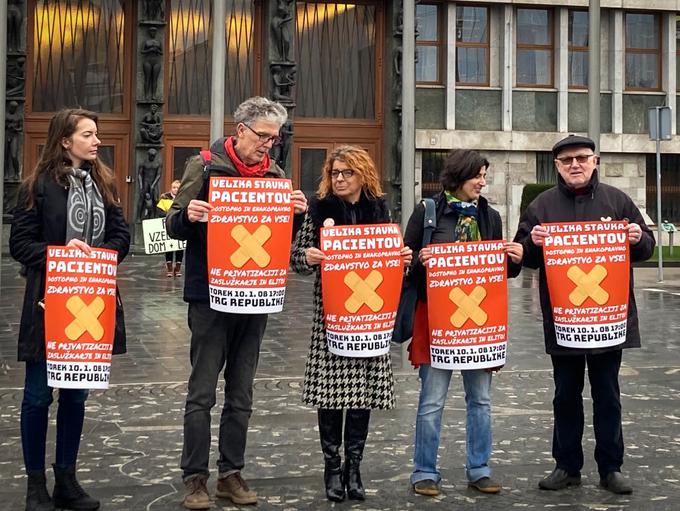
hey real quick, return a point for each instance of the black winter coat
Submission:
(560, 204)
(490, 228)
(32, 231)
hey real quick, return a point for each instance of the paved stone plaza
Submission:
(133, 431)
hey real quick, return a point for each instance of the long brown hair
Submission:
(360, 162)
(55, 162)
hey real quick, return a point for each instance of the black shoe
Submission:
(616, 483)
(68, 494)
(37, 498)
(559, 479)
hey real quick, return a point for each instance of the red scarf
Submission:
(257, 170)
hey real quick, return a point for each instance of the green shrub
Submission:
(530, 192)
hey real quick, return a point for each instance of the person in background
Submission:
(463, 215)
(163, 206)
(578, 197)
(342, 387)
(69, 199)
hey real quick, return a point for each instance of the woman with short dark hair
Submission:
(463, 215)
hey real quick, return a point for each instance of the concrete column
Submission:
(618, 58)
(451, 68)
(219, 56)
(669, 65)
(508, 77)
(594, 73)
(408, 115)
(562, 69)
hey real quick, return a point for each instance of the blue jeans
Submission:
(433, 390)
(34, 415)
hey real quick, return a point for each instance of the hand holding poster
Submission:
(249, 231)
(588, 269)
(361, 283)
(80, 316)
(156, 239)
(468, 305)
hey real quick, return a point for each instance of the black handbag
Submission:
(403, 325)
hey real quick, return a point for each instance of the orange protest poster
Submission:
(361, 282)
(249, 231)
(587, 269)
(467, 290)
(80, 317)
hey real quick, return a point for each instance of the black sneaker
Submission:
(485, 485)
(559, 479)
(616, 483)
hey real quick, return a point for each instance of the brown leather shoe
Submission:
(235, 488)
(196, 496)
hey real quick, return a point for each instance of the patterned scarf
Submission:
(257, 170)
(86, 213)
(467, 228)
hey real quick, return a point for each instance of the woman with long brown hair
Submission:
(69, 199)
(349, 194)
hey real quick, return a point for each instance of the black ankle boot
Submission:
(37, 498)
(68, 494)
(356, 431)
(330, 433)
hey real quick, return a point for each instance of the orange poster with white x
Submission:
(80, 317)
(587, 267)
(468, 305)
(361, 282)
(249, 232)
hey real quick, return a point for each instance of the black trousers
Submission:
(220, 343)
(603, 374)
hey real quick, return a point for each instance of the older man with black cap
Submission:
(580, 196)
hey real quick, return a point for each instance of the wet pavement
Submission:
(133, 431)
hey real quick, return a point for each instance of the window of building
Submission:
(335, 50)
(534, 65)
(428, 44)
(190, 62)
(643, 51)
(578, 49)
(545, 168)
(78, 50)
(431, 167)
(472, 45)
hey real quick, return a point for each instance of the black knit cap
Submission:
(572, 141)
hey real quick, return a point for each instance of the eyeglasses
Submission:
(346, 173)
(264, 138)
(580, 158)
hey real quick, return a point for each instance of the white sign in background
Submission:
(156, 239)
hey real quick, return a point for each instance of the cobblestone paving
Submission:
(133, 431)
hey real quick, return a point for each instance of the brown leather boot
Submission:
(196, 494)
(168, 269)
(178, 269)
